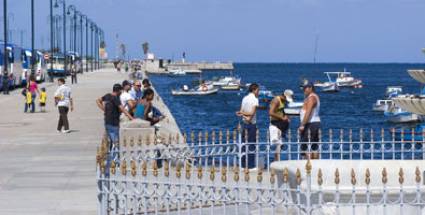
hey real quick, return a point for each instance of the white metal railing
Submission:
(210, 174)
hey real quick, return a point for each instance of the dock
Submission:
(45, 172)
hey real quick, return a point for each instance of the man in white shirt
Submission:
(63, 101)
(127, 101)
(248, 112)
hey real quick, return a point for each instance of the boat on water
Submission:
(383, 104)
(329, 87)
(395, 114)
(345, 79)
(192, 71)
(224, 81)
(231, 86)
(176, 72)
(292, 107)
(201, 90)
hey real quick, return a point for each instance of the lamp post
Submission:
(52, 39)
(92, 46)
(87, 43)
(33, 52)
(64, 31)
(81, 40)
(5, 64)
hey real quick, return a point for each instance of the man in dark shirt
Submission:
(110, 104)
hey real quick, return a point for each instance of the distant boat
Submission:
(396, 114)
(231, 86)
(201, 90)
(329, 86)
(345, 79)
(226, 81)
(384, 104)
(176, 72)
(192, 71)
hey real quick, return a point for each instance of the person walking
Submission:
(5, 83)
(248, 112)
(73, 73)
(112, 108)
(64, 102)
(43, 99)
(33, 89)
(310, 122)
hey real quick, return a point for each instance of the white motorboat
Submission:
(292, 108)
(192, 71)
(329, 86)
(176, 72)
(384, 104)
(396, 114)
(201, 90)
(231, 86)
(345, 79)
(226, 81)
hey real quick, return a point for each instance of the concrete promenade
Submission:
(45, 172)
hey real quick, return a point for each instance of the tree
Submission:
(145, 47)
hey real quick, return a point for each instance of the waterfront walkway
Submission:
(45, 172)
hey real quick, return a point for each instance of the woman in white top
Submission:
(310, 122)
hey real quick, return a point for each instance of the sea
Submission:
(347, 109)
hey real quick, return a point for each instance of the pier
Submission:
(45, 172)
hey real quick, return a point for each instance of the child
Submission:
(43, 98)
(28, 99)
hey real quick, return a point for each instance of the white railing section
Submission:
(208, 175)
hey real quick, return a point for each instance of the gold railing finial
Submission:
(236, 173)
(319, 177)
(132, 142)
(123, 167)
(139, 140)
(308, 166)
(401, 176)
(259, 175)
(384, 176)
(223, 174)
(199, 172)
(337, 180)
(353, 177)
(155, 168)
(285, 175)
(367, 176)
(133, 168)
(272, 176)
(212, 173)
(113, 167)
(188, 170)
(418, 175)
(144, 168)
(246, 174)
(298, 176)
(178, 170)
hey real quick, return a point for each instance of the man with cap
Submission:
(111, 105)
(310, 122)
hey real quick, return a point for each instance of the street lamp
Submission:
(92, 45)
(87, 43)
(52, 39)
(33, 52)
(64, 30)
(5, 37)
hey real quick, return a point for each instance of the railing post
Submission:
(308, 168)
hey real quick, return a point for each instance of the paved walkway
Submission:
(45, 172)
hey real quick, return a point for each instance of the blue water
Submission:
(350, 108)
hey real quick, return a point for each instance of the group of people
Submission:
(30, 92)
(133, 100)
(309, 122)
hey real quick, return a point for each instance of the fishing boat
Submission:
(329, 86)
(176, 72)
(201, 90)
(192, 71)
(384, 104)
(345, 79)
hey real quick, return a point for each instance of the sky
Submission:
(247, 30)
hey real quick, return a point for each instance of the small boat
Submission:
(201, 90)
(292, 108)
(176, 72)
(384, 104)
(396, 114)
(231, 86)
(343, 79)
(192, 71)
(329, 86)
(226, 81)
